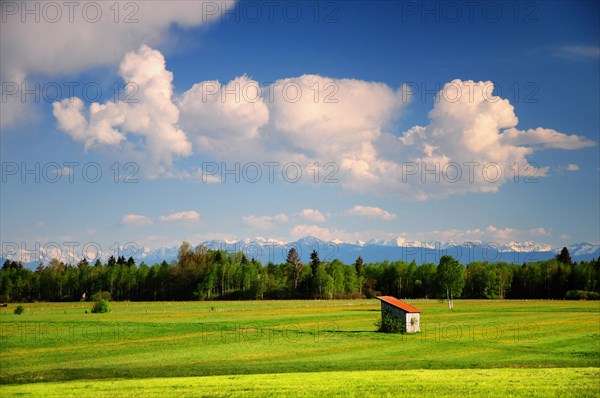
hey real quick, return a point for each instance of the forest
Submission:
(202, 274)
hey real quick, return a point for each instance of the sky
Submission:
(149, 123)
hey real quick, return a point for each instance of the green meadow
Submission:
(300, 348)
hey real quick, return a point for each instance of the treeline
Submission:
(201, 274)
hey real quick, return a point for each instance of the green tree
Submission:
(480, 281)
(350, 280)
(450, 278)
(111, 261)
(424, 280)
(505, 276)
(564, 256)
(100, 307)
(316, 279)
(295, 264)
(336, 270)
(358, 266)
(141, 281)
(390, 324)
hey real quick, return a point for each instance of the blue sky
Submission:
(518, 92)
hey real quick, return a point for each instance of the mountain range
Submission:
(266, 250)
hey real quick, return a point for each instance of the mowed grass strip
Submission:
(569, 382)
(59, 342)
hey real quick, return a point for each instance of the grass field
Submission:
(300, 348)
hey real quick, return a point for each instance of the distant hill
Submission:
(266, 250)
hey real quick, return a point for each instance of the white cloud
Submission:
(323, 233)
(13, 109)
(578, 52)
(489, 234)
(568, 167)
(462, 144)
(209, 178)
(136, 219)
(49, 45)
(546, 138)
(65, 171)
(153, 118)
(572, 167)
(96, 43)
(288, 120)
(177, 217)
(498, 233)
(313, 215)
(224, 119)
(181, 216)
(264, 222)
(70, 117)
(281, 218)
(539, 231)
(471, 142)
(311, 110)
(371, 212)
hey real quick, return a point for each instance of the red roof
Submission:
(398, 304)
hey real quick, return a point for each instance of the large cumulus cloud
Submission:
(471, 143)
(153, 117)
(57, 38)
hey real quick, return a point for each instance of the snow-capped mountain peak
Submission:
(267, 249)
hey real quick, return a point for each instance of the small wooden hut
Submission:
(410, 316)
